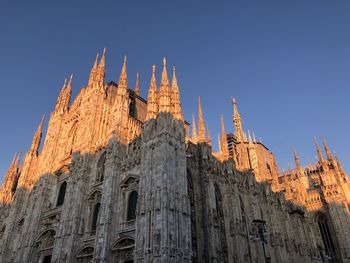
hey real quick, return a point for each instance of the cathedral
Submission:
(122, 179)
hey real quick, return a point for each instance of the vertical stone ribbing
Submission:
(163, 219)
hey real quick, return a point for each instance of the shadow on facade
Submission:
(85, 211)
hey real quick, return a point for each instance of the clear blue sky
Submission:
(286, 62)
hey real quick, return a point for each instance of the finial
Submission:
(125, 58)
(249, 137)
(234, 100)
(42, 119)
(96, 60)
(153, 69)
(174, 70)
(164, 62)
(327, 150)
(104, 51)
(70, 80)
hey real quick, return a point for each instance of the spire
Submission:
(102, 63)
(63, 99)
(15, 162)
(93, 72)
(37, 138)
(9, 184)
(224, 144)
(68, 93)
(123, 79)
(219, 143)
(101, 72)
(201, 127)
(327, 150)
(340, 166)
(319, 152)
(208, 137)
(164, 93)
(296, 158)
(137, 88)
(175, 98)
(69, 86)
(250, 141)
(254, 140)
(237, 122)
(194, 130)
(152, 104)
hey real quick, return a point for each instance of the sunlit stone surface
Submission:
(120, 179)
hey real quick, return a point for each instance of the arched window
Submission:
(101, 168)
(326, 237)
(61, 194)
(95, 216)
(132, 202)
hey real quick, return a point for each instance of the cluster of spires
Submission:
(164, 99)
(203, 134)
(321, 160)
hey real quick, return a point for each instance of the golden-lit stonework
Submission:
(121, 179)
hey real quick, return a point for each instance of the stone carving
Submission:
(193, 204)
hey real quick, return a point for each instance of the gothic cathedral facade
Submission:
(120, 179)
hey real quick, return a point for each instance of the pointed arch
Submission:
(124, 243)
(46, 238)
(123, 249)
(85, 254)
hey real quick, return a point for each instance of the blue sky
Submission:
(286, 62)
